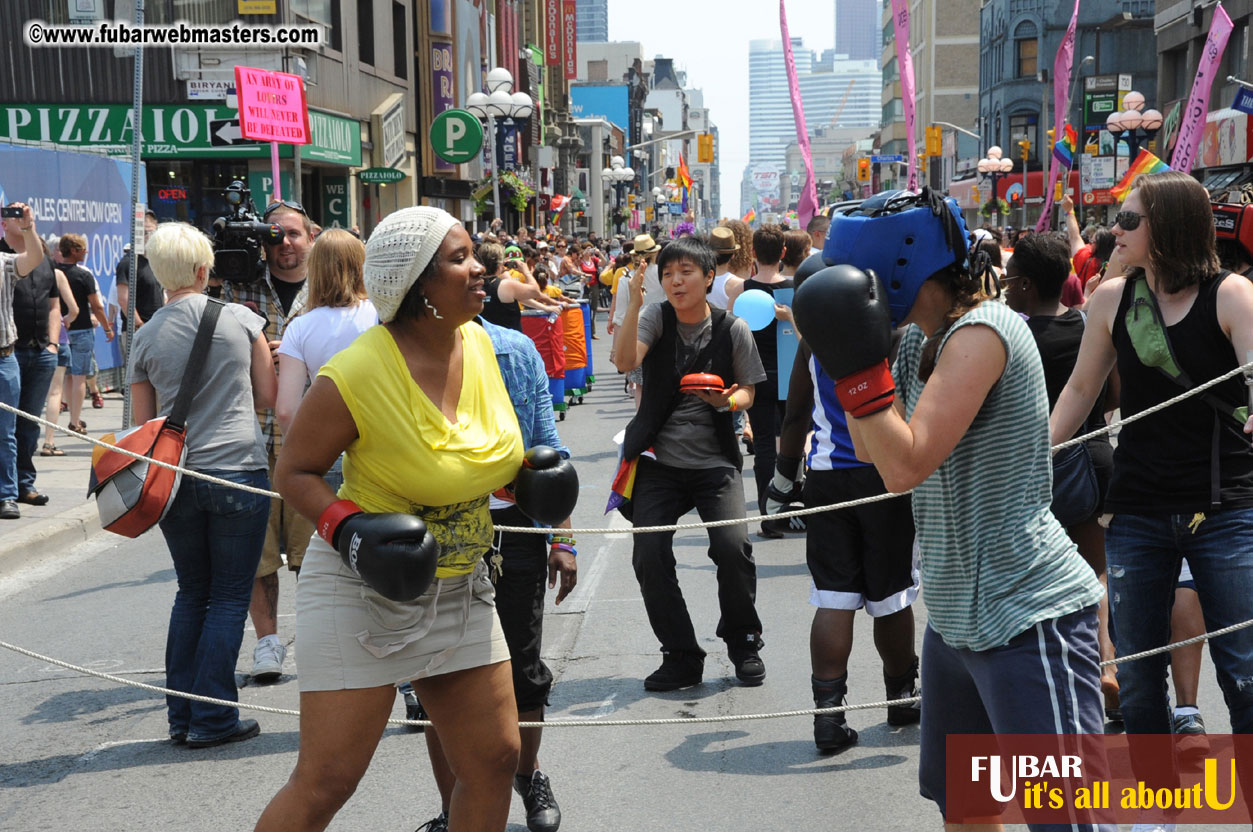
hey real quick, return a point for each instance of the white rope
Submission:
(583, 723)
(676, 527)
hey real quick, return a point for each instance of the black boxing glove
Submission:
(844, 314)
(547, 486)
(393, 554)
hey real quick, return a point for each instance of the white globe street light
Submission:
(502, 102)
(1134, 123)
(995, 167)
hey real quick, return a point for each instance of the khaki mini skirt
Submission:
(349, 637)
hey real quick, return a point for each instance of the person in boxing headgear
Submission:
(394, 585)
(697, 458)
(860, 557)
(961, 418)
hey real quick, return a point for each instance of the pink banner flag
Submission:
(905, 60)
(1061, 109)
(808, 205)
(1193, 126)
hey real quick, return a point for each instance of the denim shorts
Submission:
(82, 346)
(63, 355)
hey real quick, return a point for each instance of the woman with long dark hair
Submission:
(1183, 477)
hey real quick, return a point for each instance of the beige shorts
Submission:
(288, 532)
(349, 637)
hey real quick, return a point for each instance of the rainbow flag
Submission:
(751, 215)
(623, 485)
(1064, 149)
(685, 176)
(1145, 163)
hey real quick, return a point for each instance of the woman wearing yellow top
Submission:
(418, 407)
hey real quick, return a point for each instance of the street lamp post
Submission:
(994, 166)
(617, 175)
(501, 103)
(1133, 124)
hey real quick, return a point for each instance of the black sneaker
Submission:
(677, 671)
(831, 731)
(413, 710)
(903, 687)
(246, 729)
(1193, 744)
(542, 812)
(435, 824)
(749, 668)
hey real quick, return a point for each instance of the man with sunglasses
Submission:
(278, 296)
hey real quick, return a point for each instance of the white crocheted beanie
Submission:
(400, 248)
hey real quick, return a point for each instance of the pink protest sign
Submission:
(271, 106)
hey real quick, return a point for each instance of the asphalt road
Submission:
(82, 753)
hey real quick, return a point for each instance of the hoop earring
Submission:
(431, 307)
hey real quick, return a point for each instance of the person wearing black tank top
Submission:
(765, 417)
(504, 293)
(1183, 477)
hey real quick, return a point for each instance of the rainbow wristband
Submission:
(334, 515)
(563, 547)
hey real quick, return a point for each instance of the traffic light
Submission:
(705, 148)
(975, 195)
(1024, 147)
(922, 163)
(1050, 137)
(935, 140)
(863, 170)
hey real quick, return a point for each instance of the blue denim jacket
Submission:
(522, 369)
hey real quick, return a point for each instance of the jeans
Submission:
(10, 394)
(214, 534)
(82, 348)
(520, 591)
(37, 366)
(1142, 561)
(664, 494)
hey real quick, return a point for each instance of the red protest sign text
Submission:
(1095, 779)
(271, 106)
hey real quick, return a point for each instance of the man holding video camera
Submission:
(278, 295)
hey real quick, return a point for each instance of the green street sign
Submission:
(456, 136)
(335, 140)
(374, 176)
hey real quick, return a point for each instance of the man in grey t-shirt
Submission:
(695, 460)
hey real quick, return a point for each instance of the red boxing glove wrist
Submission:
(334, 516)
(867, 391)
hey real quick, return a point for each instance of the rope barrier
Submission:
(676, 527)
(584, 723)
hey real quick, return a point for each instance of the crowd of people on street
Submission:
(392, 393)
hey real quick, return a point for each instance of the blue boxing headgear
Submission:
(903, 237)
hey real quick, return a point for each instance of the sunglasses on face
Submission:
(286, 203)
(1127, 220)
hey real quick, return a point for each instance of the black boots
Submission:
(831, 731)
(903, 687)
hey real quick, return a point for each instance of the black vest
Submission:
(661, 385)
(30, 305)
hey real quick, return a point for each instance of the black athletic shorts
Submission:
(861, 556)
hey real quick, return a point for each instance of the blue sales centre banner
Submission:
(76, 193)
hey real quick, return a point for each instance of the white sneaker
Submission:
(267, 659)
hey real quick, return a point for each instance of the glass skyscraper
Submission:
(594, 20)
(857, 26)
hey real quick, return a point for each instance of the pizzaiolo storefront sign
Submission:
(169, 130)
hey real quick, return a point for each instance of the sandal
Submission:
(51, 450)
(81, 427)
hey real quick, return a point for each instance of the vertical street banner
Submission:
(570, 39)
(552, 32)
(1061, 109)
(443, 93)
(1193, 126)
(905, 60)
(808, 204)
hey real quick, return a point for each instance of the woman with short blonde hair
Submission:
(335, 264)
(177, 254)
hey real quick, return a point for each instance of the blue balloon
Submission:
(756, 308)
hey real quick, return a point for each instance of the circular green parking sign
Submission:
(456, 136)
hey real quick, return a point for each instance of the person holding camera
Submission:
(504, 292)
(13, 266)
(278, 296)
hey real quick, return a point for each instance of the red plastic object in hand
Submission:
(692, 382)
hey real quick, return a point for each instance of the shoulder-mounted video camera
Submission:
(239, 236)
